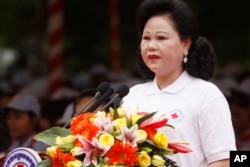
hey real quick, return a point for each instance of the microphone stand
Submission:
(121, 92)
(102, 87)
(107, 104)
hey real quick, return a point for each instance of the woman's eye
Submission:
(145, 38)
(161, 38)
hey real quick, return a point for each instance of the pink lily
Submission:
(104, 122)
(130, 135)
(92, 150)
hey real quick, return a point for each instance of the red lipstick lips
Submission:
(153, 57)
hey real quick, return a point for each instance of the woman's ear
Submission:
(187, 43)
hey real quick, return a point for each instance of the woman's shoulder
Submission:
(207, 87)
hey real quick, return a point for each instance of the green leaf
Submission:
(145, 117)
(49, 136)
(155, 149)
(166, 151)
(146, 149)
(116, 115)
(171, 126)
(45, 163)
(111, 111)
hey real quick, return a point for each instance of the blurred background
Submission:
(54, 41)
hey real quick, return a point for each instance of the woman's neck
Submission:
(164, 81)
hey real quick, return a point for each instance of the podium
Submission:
(22, 157)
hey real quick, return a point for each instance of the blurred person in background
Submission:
(5, 139)
(240, 110)
(77, 105)
(51, 111)
(225, 84)
(22, 116)
(97, 74)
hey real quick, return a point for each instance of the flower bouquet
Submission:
(110, 139)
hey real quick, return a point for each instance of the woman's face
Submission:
(161, 48)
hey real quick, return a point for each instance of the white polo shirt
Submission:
(198, 111)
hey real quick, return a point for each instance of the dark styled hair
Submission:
(201, 54)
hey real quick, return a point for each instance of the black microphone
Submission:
(120, 93)
(101, 100)
(100, 90)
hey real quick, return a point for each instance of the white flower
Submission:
(130, 135)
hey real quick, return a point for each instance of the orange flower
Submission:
(82, 125)
(60, 159)
(123, 153)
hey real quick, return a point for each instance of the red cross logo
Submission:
(20, 165)
(174, 116)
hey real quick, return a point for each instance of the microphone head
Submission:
(104, 97)
(107, 94)
(122, 91)
(103, 87)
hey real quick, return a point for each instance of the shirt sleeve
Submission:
(216, 130)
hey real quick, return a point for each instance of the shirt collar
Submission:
(183, 80)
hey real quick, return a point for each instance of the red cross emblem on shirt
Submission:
(175, 115)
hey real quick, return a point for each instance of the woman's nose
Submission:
(152, 45)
